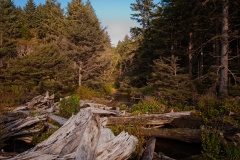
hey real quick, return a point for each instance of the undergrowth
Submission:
(69, 106)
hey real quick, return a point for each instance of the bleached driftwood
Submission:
(58, 119)
(83, 137)
(23, 129)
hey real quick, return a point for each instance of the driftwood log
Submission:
(83, 137)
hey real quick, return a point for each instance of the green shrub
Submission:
(208, 104)
(149, 105)
(69, 106)
(147, 90)
(41, 137)
(85, 92)
(211, 143)
(108, 88)
(232, 151)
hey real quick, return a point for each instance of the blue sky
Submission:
(113, 14)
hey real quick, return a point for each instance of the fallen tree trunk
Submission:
(148, 119)
(79, 138)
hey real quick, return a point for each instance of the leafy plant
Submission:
(39, 138)
(69, 106)
(208, 104)
(85, 92)
(232, 151)
(211, 143)
(149, 105)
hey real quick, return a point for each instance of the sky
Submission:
(113, 14)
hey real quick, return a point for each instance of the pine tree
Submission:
(49, 20)
(29, 10)
(88, 43)
(8, 28)
(168, 79)
(145, 9)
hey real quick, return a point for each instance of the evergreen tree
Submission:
(88, 43)
(49, 20)
(29, 10)
(145, 9)
(8, 28)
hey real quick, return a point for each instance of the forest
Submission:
(185, 55)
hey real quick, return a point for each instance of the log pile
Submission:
(87, 136)
(83, 136)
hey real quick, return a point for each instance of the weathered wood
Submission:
(79, 138)
(149, 119)
(120, 147)
(101, 111)
(23, 128)
(149, 151)
(58, 119)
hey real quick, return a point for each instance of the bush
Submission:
(85, 92)
(148, 90)
(208, 104)
(148, 105)
(210, 143)
(69, 106)
(232, 151)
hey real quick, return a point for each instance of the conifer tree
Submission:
(145, 9)
(49, 20)
(88, 43)
(8, 28)
(29, 10)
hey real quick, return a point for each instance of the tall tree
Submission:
(49, 19)
(88, 43)
(144, 9)
(29, 10)
(223, 88)
(8, 28)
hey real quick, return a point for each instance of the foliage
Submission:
(41, 137)
(208, 104)
(86, 93)
(69, 106)
(148, 105)
(232, 151)
(210, 143)
(109, 88)
(38, 72)
(147, 90)
(10, 97)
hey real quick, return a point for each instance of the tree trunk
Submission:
(190, 47)
(223, 88)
